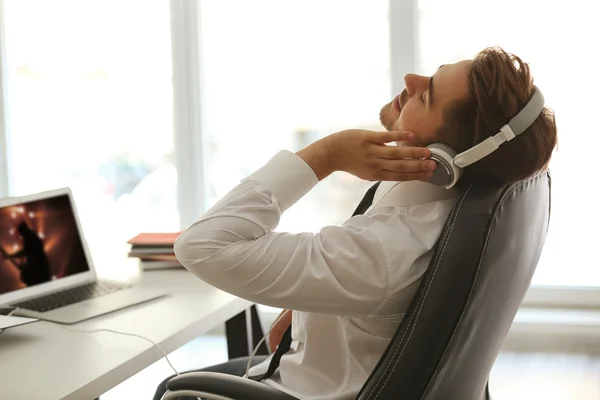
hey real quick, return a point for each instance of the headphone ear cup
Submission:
(446, 174)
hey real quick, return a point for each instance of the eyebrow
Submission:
(430, 97)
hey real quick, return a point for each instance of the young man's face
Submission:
(420, 107)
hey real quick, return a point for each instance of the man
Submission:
(34, 266)
(350, 285)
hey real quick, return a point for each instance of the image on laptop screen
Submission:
(39, 242)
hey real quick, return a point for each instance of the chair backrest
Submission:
(450, 337)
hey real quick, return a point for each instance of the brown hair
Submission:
(500, 84)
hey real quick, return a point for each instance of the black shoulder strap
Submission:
(367, 201)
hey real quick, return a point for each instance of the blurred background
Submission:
(152, 110)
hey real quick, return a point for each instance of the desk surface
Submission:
(48, 361)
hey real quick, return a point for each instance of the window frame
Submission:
(189, 142)
(571, 297)
(5, 184)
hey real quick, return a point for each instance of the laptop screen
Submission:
(39, 242)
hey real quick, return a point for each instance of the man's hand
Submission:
(279, 329)
(366, 155)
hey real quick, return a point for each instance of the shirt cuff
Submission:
(287, 177)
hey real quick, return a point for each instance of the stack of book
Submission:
(155, 250)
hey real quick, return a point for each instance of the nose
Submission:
(414, 82)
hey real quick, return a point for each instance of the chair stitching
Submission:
(420, 306)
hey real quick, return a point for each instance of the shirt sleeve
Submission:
(341, 270)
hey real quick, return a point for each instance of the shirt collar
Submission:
(412, 193)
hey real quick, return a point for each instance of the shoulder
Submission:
(405, 233)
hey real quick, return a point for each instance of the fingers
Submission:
(407, 165)
(403, 170)
(391, 136)
(402, 152)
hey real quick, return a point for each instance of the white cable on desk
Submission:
(113, 331)
(164, 353)
(127, 334)
(118, 333)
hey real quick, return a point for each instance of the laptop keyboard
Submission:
(71, 296)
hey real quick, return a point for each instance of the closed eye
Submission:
(421, 98)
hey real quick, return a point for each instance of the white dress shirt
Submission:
(349, 285)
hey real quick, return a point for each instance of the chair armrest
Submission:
(224, 385)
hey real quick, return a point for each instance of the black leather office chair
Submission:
(448, 341)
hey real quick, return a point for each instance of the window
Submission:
(556, 40)
(289, 73)
(89, 105)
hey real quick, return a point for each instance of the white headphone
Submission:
(450, 164)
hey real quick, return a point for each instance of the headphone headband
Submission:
(515, 126)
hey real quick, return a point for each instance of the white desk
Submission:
(47, 361)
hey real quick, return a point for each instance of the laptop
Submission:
(46, 271)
